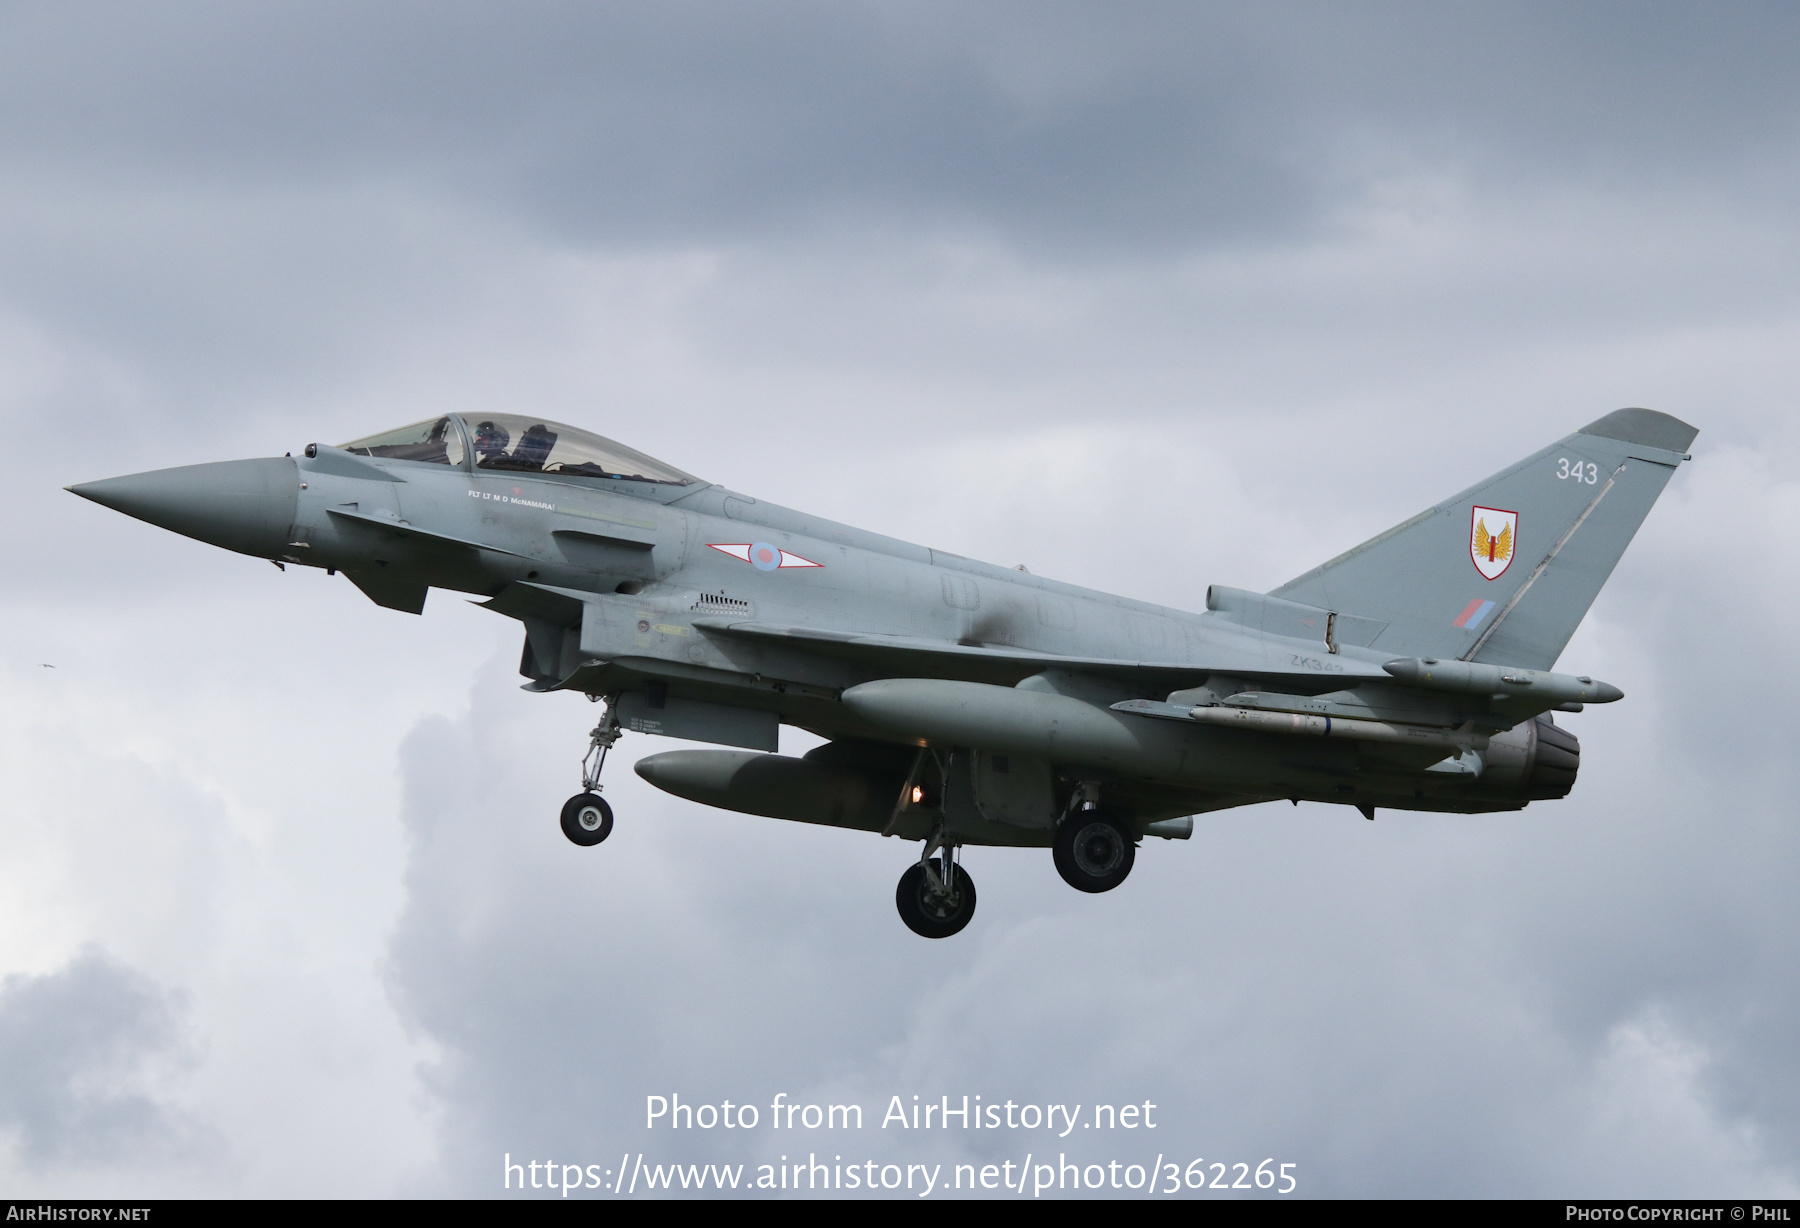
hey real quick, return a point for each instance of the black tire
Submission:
(1094, 851)
(928, 914)
(586, 819)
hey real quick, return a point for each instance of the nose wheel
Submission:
(586, 818)
(936, 896)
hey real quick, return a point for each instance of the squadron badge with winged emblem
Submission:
(1492, 536)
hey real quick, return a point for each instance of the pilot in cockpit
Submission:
(534, 447)
(490, 443)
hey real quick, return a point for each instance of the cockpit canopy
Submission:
(520, 444)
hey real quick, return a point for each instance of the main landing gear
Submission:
(586, 818)
(936, 896)
(1094, 850)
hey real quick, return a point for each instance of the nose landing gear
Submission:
(586, 818)
(936, 896)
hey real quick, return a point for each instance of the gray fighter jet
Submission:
(963, 703)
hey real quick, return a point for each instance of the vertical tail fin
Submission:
(1506, 570)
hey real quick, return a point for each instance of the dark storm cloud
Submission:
(72, 1046)
(665, 123)
(219, 208)
(1079, 127)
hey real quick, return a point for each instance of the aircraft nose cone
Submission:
(246, 505)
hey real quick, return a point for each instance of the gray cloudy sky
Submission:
(1144, 296)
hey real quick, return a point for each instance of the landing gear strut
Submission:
(586, 818)
(936, 896)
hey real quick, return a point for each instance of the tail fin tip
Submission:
(1649, 427)
(1410, 582)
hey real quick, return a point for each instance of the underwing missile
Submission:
(1305, 724)
(1501, 681)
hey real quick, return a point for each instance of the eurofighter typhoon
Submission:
(965, 704)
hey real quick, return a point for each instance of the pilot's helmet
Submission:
(490, 437)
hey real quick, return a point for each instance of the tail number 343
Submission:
(1580, 472)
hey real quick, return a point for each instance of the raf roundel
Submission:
(763, 556)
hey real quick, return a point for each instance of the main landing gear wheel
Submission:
(1093, 851)
(928, 912)
(587, 819)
